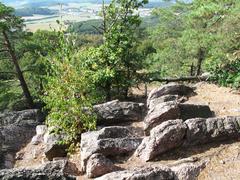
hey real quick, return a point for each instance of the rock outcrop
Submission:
(164, 137)
(151, 173)
(16, 117)
(201, 130)
(160, 113)
(153, 102)
(51, 170)
(182, 171)
(170, 123)
(114, 140)
(16, 130)
(170, 89)
(173, 110)
(118, 112)
(174, 133)
(53, 146)
(99, 165)
(188, 171)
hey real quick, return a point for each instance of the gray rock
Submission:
(170, 89)
(113, 140)
(49, 171)
(189, 111)
(9, 161)
(53, 147)
(160, 113)
(16, 130)
(153, 102)
(39, 137)
(117, 112)
(147, 173)
(167, 136)
(99, 165)
(16, 117)
(188, 171)
(174, 110)
(41, 129)
(206, 75)
(201, 130)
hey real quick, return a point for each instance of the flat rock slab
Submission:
(173, 110)
(154, 102)
(109, 141)
(16, 117)
(117, 112)
(148, 173)
(167, 136)
(201, 130)
(160, 113)
(170, 89)
(183, 171)
(51, 170)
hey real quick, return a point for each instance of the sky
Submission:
(31, 1)
(17, 3)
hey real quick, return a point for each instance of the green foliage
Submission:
(85, 27)
(170, 58)
(91, 27)
(228, 74)
(35, 47)
(114, 64)
(8, 19)
(198, 36)
(11, 97)
(68, 94)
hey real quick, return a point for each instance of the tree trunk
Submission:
(19, 73)
(192, 70)
(201, 54)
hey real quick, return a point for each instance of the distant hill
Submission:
(88, 27)
(31, 11)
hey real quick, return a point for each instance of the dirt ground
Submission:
(223, 158)
(223, 101)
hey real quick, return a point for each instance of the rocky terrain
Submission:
(181, 133)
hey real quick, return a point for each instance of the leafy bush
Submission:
(68, 93)
(228, 74)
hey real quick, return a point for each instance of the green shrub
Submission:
(68, 93)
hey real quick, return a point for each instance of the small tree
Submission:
(114, 63)
(10, 25)
(68, 93)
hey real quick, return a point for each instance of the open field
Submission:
(49, 22)
(68, 13)
(72, 12)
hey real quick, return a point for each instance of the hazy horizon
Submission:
(17, 4)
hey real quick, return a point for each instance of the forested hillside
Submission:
(32, 11)
(66, 71)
